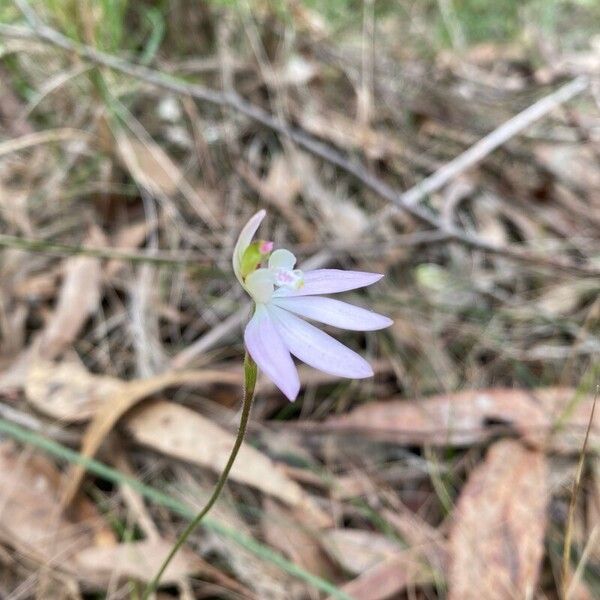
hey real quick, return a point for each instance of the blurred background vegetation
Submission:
(452, 473)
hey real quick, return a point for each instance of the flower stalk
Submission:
(250, 376)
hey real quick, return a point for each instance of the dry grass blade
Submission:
(566, 583)
(497, 536)
(42, 137)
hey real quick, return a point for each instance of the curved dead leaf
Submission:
(553, 417)
(180, 432)
(383, 566)
(388, 578)
(291, 532)
(357, 550)
(496, 540)
(125, 398)
(68, 391)
(138, 560)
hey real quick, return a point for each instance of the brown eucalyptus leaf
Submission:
(290, 531)
(125, 398)
(154, 170)
(187, 435)
(68, 391)
(496, 540)
(139, 560)
(358, 550)
(78, 299)
(552, 417)
(390, 577)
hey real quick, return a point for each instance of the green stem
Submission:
(250, 374)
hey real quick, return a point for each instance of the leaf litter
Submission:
(449, 473)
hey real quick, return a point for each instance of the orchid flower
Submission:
(282, 295)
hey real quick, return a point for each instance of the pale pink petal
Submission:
(266, 347)
(330, 281)
(244, 240)
(316, 348)
(334, 312)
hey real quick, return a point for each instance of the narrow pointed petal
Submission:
(334, 312)
(330, 281)
(266, 347)
(244, 240)
(316, 348)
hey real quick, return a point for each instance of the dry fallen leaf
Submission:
(127, 396)
(388, 578)
(68, 391)
(419, 535)
(180, 432)
(30, 517)
(543, 416)
(78, 300)
(383, 566)
(139, 560)
(154, 170)
(497, 537)
(290, 532)
(358, 550)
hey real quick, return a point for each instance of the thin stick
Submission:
(566, 558)
(250, 372)
(487, 144)
(42, 137)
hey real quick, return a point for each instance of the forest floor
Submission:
(452, 145)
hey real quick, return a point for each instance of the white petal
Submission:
(316, 348)
(266, 347)
(244, 240)
(334, 312)
(260, 286)
(282, 259)
(330, 281)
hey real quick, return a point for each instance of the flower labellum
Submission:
(284, 297)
